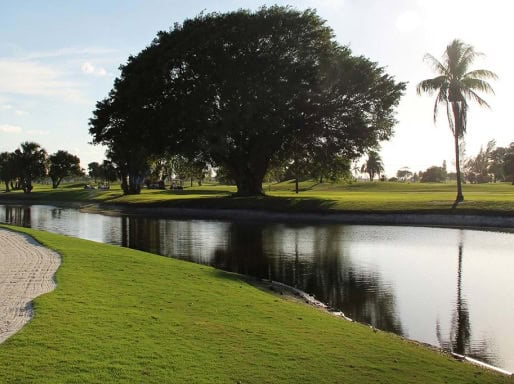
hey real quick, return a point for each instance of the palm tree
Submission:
(30, 161)
(373, 166)
(455, 84)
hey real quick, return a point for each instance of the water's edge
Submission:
(408, 219)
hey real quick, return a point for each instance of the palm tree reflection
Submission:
(460, 340)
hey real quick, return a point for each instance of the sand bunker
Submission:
(26, 271)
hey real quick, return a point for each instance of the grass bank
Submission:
(380, 197)
(125, 316)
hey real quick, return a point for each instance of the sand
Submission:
(26, 271)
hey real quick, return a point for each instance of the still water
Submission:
(451, 288)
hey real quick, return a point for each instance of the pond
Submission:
(452, 288)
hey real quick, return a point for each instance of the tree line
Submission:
(30, 162)
(244, 91)
(492, 164)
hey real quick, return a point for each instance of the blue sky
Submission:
(57, 58)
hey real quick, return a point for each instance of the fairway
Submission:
(381, 197)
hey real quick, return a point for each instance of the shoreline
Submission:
(288, 292)
(472, 221)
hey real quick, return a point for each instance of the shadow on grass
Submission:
(193, 191)
(266, 203)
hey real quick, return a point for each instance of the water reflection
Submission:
(459, 339)
(398, 279)
(18, 215)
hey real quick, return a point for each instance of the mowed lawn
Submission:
(495, 198)
(125, 316)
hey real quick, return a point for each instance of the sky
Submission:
(58, 58)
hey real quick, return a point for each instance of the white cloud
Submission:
(8, 128)
(11, 109)
(70, 52)
(90, 69)
(87, 67)
(27, 78)
(36, 132)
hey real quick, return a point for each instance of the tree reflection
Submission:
(141, 233)
(18, 215)
(359, 292)
(460, 340)
(244, 251)
(314, 260)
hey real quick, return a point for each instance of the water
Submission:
(447, 287)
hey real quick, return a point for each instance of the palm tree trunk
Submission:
(457, 131)
(460, 196)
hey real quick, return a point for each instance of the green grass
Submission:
(313, 197)
(124, 316)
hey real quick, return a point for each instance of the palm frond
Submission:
(477, 85)
(481, 74)
(470, 94)
(436, 65)
(442, 98)
(431, 85)
(451, 121)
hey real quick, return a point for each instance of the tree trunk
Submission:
(249, 186)
(457, 130)
(124, 184)
(249, 179)
(56, 182)
(7, 186)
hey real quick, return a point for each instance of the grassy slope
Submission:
(121, 315)
(366, 197)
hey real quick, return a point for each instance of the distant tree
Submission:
(63, 164)
(508, 163)
(455, 84)
(476, 169)
(240, 88)
(31, 162)
(373, 165)
(108, 172)
(496, 164)
(404, 174)
(188, 169)
(7, 169)
(434, 174)
(223, 176)
(93, 170)
(326, 166)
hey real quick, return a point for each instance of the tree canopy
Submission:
(242, 88)
(63, 164)
(30, 162)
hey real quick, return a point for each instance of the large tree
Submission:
(63, 164)
(30, 162)
(241, 88)
(455, 84)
